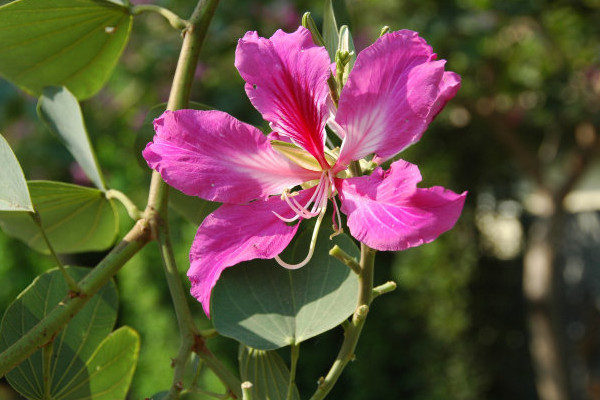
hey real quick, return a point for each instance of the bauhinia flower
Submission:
(268, 184)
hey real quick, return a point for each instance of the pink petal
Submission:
(286, 80)
(236, 233)
(212, 155)
(386, 210)
(393, 92)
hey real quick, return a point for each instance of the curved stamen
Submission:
(313, 242)
(284, 219)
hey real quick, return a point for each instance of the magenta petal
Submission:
(386, 210)
(212, 155)
(236, 233)
(393, 92)
(286, 80)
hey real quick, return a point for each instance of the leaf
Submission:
(14, 195)
(267, 372)
(330, 30)
(75, 218)
(74, 345)
(60, 111)
(111, 368)
(266, 306)
(73, 43)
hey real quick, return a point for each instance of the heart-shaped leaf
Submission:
(72, 347)
(60, 110)
(266, 306)
(267, 372)
(73, 43)
(14, 195)
(75, 218)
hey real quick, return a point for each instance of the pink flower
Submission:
(394, 91)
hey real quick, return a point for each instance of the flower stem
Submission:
(295, 352)
(247, 390)
(354, 328)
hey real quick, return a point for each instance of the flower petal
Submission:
(386, 210)
(393, 92)
(286, 80)
(212, 155)
(236, 233)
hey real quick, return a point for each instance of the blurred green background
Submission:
(504, 306)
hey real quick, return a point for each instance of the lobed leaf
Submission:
(72, 347)
(75, 218)
(14, 195)
(266, 306)
(267, 372)
(60, 111)
(73, 43)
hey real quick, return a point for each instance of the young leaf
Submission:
(75, 218)
(14, 195)
(330, 30)
(71, 348)
(267, 372)
(265, 306)
(62, 42)
(60, 111)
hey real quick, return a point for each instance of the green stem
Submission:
(190, 340)
(346, 258)
(60, 315)
(132, 210)
(70, 281)
(174, 20)
(384, 288)
(354, 329)
(295, 352)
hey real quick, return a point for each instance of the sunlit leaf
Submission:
(73, 43)
(14, 195)
(60, 110)
(330, 30)
(267, 372)
(72, 347)
(266, 306)
(75, 218)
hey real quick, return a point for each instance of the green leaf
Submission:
(14, 195)
(75, 218)
(72, 347)
(330, 30)
(266, 306)
(73, 43)
(267, 372)
(60, 111)
(111, 367)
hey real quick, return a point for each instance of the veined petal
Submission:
(386, 210)
(286, 80)
(393, 92)
(212, 155)
(236, 233)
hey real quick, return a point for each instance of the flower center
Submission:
(316, 206)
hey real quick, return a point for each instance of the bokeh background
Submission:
(504, 306)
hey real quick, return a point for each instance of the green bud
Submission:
(309, 23)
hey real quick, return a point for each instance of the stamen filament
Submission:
(313, 242)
